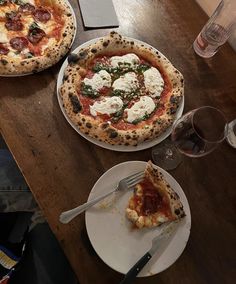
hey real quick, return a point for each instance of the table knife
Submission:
(132, 273)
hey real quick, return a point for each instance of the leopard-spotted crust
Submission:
(52, 54)
(103, 131)
(156, 219)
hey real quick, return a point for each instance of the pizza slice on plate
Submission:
(154, 202)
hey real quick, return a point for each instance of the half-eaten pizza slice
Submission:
(154, 202)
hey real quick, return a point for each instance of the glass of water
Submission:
(217, 30)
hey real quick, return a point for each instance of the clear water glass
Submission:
(217, 30)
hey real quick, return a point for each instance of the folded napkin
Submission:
(98, 13)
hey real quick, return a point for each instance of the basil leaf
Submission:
(29, 55)
(88, 91)
(142, 68)
(33, 26)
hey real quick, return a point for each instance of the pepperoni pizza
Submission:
(120, 91)
(34, 34)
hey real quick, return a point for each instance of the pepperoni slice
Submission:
(3, 2)
(42, 15)
(3, 50)
(13, 16)
(19, 43)
(14, 25)
(35, 35)
(26, 8)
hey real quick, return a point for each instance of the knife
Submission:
(132, 273)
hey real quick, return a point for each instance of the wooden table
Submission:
(61, 167)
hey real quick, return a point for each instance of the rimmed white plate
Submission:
(75, 23)
(121, 148)
(113, 237)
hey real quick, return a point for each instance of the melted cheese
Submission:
(144, 106)
(129, 58)
(153, 82)
(3, 34)
(28, 1)
(2, 14)
(107, 105)
(126, 83)
(99, 80)
(50, 42)
(48, 26)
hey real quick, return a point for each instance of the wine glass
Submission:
(195, 134)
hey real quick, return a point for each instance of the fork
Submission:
(126, 183)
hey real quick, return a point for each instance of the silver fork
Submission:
(126, 183)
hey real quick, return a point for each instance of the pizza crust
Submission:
(156, 219)
(94, 126)
(52, 54)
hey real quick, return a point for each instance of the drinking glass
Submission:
(217, 30)
(195, 134)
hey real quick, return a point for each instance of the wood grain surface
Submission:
(61, 167)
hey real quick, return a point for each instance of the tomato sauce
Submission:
(56, 33)
(37, 49)
(152, 200)
(86, 102)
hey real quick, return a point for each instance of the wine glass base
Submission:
(166, 156)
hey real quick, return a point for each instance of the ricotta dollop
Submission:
(153, 82)
(126, 83)
(99, 80)
(107, 105)
(129, 58)
(144, 106)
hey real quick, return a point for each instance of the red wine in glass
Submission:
(189, 140)
(195, 134)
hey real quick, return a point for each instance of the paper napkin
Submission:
(98, 13)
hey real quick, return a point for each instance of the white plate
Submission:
(231, 137)
(75, 23)
(113, 236)
(122, 148)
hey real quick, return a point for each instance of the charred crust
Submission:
(173, 110)
(94, 50)
(106, 43)
(104, 125)
(4, 61)
(112, 133)
(75, 103)
(177, 211)
(72, 58)
(82, 54)
(65, 77)
(174, 99)
(113, 33)
(88, 125)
